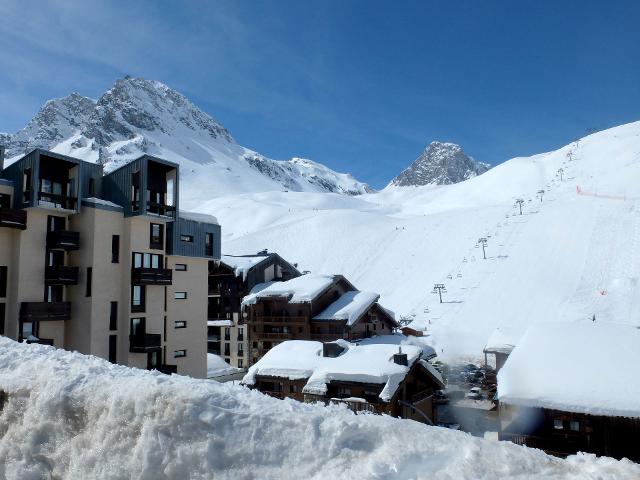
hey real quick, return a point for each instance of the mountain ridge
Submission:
(138, 116)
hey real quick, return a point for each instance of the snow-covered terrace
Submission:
(297, 290)
(350, 307)
(583, 367)
(300, 359)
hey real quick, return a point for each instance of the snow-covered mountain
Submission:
(440, 164)
(137, 116)
(572, 254)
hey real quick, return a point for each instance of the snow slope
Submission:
(73, 416)
(570, 256)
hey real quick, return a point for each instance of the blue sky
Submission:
(362, 86)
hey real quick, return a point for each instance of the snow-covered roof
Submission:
(219, 323)
(302, 289)
(350, 307)
(217, 367)
(300, 359)
(503, 340)
(198, 217)
(243, 263)
(584, 367)
(401, 340)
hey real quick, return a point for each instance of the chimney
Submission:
(400, 358)
(1, 158)
(331, 350)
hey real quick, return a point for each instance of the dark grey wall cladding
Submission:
(14, 173)
(197, 230)
(116, 186)
(256, 275)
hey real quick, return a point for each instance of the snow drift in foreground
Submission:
(74, 416)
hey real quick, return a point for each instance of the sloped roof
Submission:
(302, 289)
(350, 307)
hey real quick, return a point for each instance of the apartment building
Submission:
(105, 264)
(312, 307)
(230, 279)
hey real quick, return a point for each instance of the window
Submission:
(240, 363)
(240, 334)
(115, 248)
(89, 281)
(574, 425)
(557, 424)
(27, 330)
(208, 244)
(156, 236)
(293, 388)
(3, 311)
(153, 360)
(344, 392)
(186, 238)
(180, 295)
(3, 281)
(180, 324)
(113, 344)
(137, 327)
(241, 349)
(113, 316)
(26, 184)
(138, 294)
(227, 333)
(181, 267)
(179, 353)
(227, 349)
(147, 260)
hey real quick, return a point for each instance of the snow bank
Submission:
(75, 417)
(299, 290)
(584, 367)
(350, 307)
(241, 264)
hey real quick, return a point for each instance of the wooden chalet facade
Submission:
(413, 398)
(274, 318)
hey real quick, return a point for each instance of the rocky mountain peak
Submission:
(440, 164)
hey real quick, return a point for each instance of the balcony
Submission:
(44, 311)
(61, 275)
(145, 342)
(63, 240)
(161, 209)
(51, 200)
(13, 218)
(273, 336)
(151, 276)
(278, 319)
(168, 369)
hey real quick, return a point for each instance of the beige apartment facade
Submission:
(105, 265)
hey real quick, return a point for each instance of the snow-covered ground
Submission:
(79, 417)
(570, 256)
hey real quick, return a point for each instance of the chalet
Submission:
(570, 387)
(312, 307)
(378, 378)
(230, 279)
(500, 344)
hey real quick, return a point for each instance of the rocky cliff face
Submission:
(440, 164)
(137, 116)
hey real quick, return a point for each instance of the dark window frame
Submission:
(143, 299)
(156, 242)
(113, 348)
(182, 353)
(208, 244)
(180, 267)
(89, 283)
(180, 324)
(176, 297)
(113, 316)
(186, 238)
(115, 248)
(4, 280)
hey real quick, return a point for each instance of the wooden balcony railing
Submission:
(278, 319)
(145, 342)
(61, 275)
(13, 218)
(273, 336)
(57, 201)
(326, 337)
(151, 276)
(44, 311)
(63, 239)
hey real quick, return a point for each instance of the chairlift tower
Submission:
(561, 172)
(520, 202)
(439, 288)
(540, 194)
(483, 241)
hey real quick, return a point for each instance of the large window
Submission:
(208, 244)
(115, 249)
(156, 236)
(3, 281)
(147, 260)
(137, 327)
(138, 294)
(89, 281)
